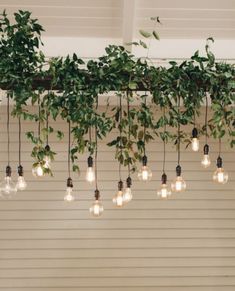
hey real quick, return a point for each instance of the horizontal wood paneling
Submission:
(184, 243)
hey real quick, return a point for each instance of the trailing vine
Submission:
(74, 87)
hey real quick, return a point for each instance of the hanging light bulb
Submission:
(118, 198)
(37, 171)
(178, 184)
(164, 192)
(69, 197)
(47, 158)
(145, 173)
(21, 183)
(90, 173)
(97, 208)
(220, 176)
(127, 195)
(206, 158)
(195, 140)
(8, 187)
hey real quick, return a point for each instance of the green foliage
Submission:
(21, 62)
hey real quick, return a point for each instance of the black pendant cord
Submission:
(39, 120)
(129, 128)
(69, 151)
(144, 131)
(219, 147)
(8, 130)
(90, 139)
(179, 141)
(96, 146)
(206, 118)
(164, 143)
(120, 133)
(19, 141)
(47, 126)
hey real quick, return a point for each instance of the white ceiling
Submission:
(95, 23)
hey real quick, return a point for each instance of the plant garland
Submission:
(75, 87)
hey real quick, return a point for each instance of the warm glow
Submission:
(69, 195)
(127, 196)
(90, 175)
(206, 161)
(145, 174)
(118, 199)
(7, 187)
(21, 184)
(97, 208)
(38, 171)
(47, 161)
(220, 176)
(195, 144)
(178, 184)
(164, 192)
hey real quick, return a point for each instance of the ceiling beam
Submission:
(128, 22)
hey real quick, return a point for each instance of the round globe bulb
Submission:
(118, 199)
(145, 174)
(21, 183)
(8, 187)
(69, 197)
(97, 208)
(38, 171)
(178, 184)
(164, 192)
(220, 176)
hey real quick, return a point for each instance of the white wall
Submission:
(185, 243)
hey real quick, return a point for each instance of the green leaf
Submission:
(155, 34)
(144, 33)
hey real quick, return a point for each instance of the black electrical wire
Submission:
(206, 118)
(178, 130)
(8, 131)
(19, 141)
(69, 145)
(164, 143)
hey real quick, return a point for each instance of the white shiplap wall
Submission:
(185, 243)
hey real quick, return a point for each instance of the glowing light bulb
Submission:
(47, 158)
(118, 198)
(38, 170)
(127, 195)
(195, 140)
(164, 192)
(178, 184)
(220, 176)
(145, 174)
(21, 184)
(8, 187)
(205, 162)
(97, 208)
(69, 197)
(90, 173)
(47, 161)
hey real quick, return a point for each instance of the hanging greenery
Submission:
(68, 88)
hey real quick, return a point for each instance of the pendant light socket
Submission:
(219, 162)
(70, 183)
(90, 162)
(206, 149)
(47, 148)
(164, 178)
(8, 171)
(194, 133)
(120, 185)
(20, 171)
(128, 182)
(97, 194)
(144, 160)
(178, 170)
